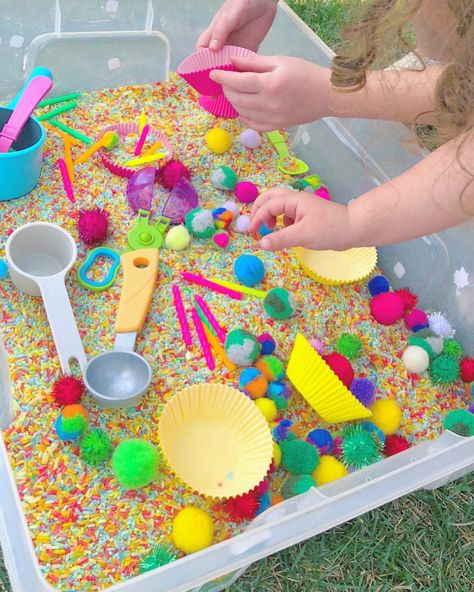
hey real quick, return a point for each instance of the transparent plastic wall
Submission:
(92, 44)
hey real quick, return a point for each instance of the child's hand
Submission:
(309, 221)
(273, 92)
(239, 22)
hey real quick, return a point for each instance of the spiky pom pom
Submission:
(460, 421)
(359, 448)
(349, 346)
(440, 325)
(452, 347)
(466, 367)
(135, 463)
(297, 484)
(68, 390)
(243, 507)
(96, 447)
(299, 457)
(378, 284)
(395, 444)
(341, 367)
(93, 226)
(171, 172)
(159, 556)
(364, 390)
(444, 369)
(410, 300)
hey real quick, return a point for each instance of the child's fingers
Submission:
(270, 210)
(282, 239)
(264, 197)
(224, 23)
(204, 39)
(257, 63)
(244, 82)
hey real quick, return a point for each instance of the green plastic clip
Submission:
(145, 235)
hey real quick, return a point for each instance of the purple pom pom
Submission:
(364, 390)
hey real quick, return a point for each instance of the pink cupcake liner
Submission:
(218, 106)
(123, 130)
(195, 68)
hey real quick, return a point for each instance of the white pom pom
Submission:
(416, 359)
(242, 223)
(436, 344)
(233, 207)
(440, 325)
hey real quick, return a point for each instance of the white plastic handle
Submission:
(62, 322)
(6, 398)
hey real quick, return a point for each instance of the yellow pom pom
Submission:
(219, 140)
(276, 454)
(329, 469)
(386, 415)
(193, 530)
(267, 407)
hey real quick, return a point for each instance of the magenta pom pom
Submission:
(246, 191)
(172, 172)
(93, 226)
(387, 308)
(416, 318)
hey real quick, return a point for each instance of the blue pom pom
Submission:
(320, 438)
(378, 284)
(267, 344)
(3, 269)
(417, 328)
(264, 503)
(249, 270)
(264, 230)
(280, 431)
(279, 389)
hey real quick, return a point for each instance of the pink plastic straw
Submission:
(211, 318)
(66, 180)
(202, 281)
(142, 140)
(206, 350)
(183, 323)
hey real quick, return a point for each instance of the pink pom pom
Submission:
(93, 226)
(246, 191)
(387, 308)
(416, 317)
(172, 172)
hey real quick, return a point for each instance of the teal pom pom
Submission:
(96, 447)
(280, 401)
(279, 304)
(359, 448)
(241, 347)
(135, 463)
(299, 457)
(461, 422)
(349, 346)
(444, 369)
(160, 556)
(297, 484)
(200, 223)
(453, 348)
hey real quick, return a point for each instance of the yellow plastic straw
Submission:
(145, 159)
(241, 289)
(218, 349)
(152, 149)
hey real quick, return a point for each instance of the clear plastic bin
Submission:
(93, 44)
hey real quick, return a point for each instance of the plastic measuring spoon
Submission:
(40, 255)
(120, 377)
(34, 92)
(38, 71)
(288, 164)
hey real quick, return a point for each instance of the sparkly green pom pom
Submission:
(349, 346)
(160, 556)
(360, 448)
(96, 447)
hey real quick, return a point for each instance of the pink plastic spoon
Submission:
(34, 92)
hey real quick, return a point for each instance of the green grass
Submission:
(421, 543)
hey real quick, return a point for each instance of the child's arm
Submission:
(435, 194)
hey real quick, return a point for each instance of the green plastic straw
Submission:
(204, 318)
(58, 111)
(56, 100)
(70, 131)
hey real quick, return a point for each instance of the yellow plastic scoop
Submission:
(287, 163)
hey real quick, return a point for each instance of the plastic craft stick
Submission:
(67, 130)
(153, 148)
(202, 281)
(94, 148)
(239, 288)
(68, 158)
(141, 122)
(183, 323)
(62, 135)
(145, 159)
(66, 180)
(219, 331)
(57, 100)
(206, 350)
(218, 349)
(142, 140)
(58, 111)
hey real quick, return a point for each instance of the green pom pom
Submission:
(461, 422)
(359, 447)
(280, 402)
(96, 447)
(444, 369)
(415, 340)
(349, 346)
(135, 463)
(279, 304)
(453, 348)
(75, 424)
(200, 223)
(297, 484)
(160, 556)
(299, 457)
(241, 347)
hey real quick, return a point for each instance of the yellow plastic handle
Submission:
(140, 270)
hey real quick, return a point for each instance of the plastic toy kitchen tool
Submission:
(287, 163)
(143, 235)
(40, 255)
(90, 260)
(120, 377)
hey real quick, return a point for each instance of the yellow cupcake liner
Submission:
(215, 440)
(337, 267)
(320, 386)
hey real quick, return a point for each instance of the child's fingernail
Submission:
(213, 44)
(265, 243)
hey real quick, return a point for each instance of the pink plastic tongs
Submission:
(34, 92)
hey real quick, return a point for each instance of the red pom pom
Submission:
(416, 317)
(387, 308)
(410, 300)
(467, 369)
(341, 367)
(395, 444)
(172, 172)
(93, 226)
(242, 507)
(68, 390)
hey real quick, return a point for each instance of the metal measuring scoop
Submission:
(120, 377)
(287, 163)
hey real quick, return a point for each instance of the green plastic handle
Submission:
(278, 142)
